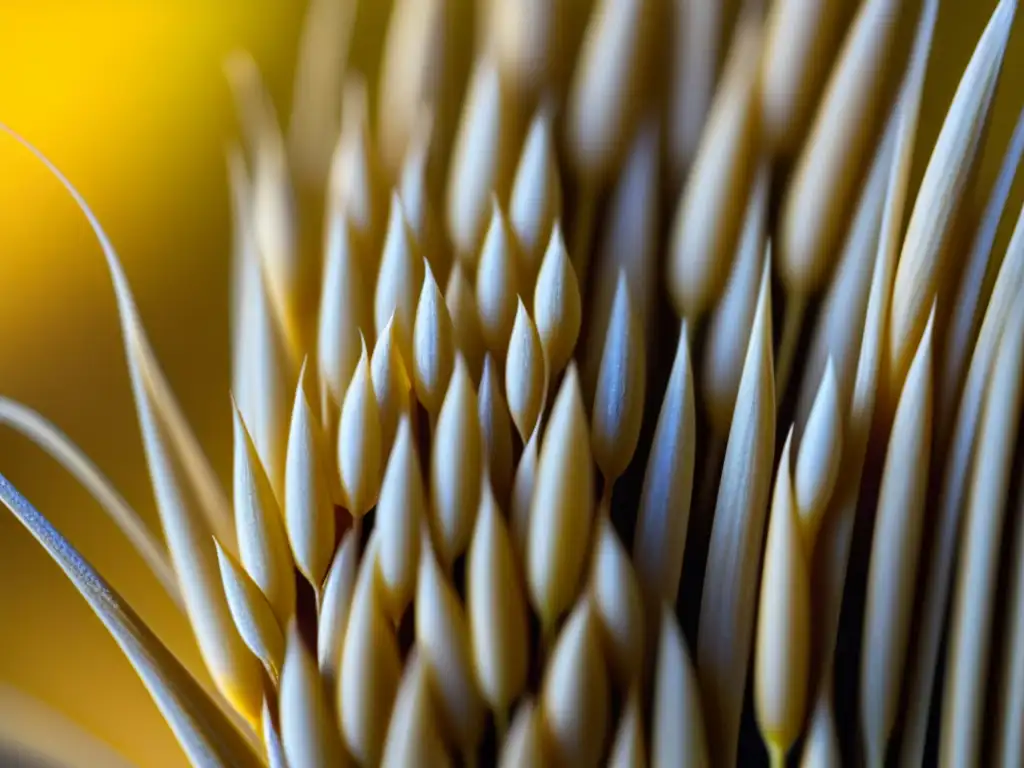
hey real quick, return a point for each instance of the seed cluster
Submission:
(523, 472)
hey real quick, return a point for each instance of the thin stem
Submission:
(776, 755)
(48, 437)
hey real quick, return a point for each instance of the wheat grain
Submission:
(443, 639)
(799, 36)
(455, 485)
(730, 580)
(895, 551)
(972, 616)
(370, 666)
(558, 534)
(496, 282)
(433, 346)
(535, 204)
(731, 320)
(575, 692)
(398, 282)
(482, 161)
(308, 509)
(922, 258)
(677, 725)
(620, 390)
(308, 735)
(525, 375)
(557, 306)
(496, 609)
(615, 595)
(819, 195)
(710, 212)
(664, 511)
(783, 625)
(414, 736)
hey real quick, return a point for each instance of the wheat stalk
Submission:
(419, 564)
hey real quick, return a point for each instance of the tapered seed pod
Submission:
(557, 304)
(308, 509)
(606, 86)
(401, 511)
(414, 188)
(370, 667)
(308, 733)
(286, 270)
(265, 395)
(800, 36)
(392, 385)
(525, 379)
(460, 299)
(664, 513)
(529, 43)
(422, 65)
(620, 390)
(355, 189)
(496, 282)
(923, 259)
(730, 582)
(837, 335)
(359, 442)
(733, 316)
(627, 749)
(969, 303)
(252, 614)
(817, 201)
(710, 210)
(344, 314)
(496, 430)
(558, 534)
(524, 743)
(482, 160)
(817, 462)
(628, 240)
(952, 497)
(443, 639)
(974, 602)
(414, 736)
(398, 282)
(834, 540)
(574, 694)
(696, 35)
(618, 606)
(677, 723)
(191, 507)
(782, 652)
(433, 346)
(323, 55)
(332, 618)
(895, 548)
(496, 610)
(262, 542)
(455, 485)
(535, 204)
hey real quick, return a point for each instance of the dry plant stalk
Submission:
(465, 439)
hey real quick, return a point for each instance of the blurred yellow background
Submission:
(129, 100)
